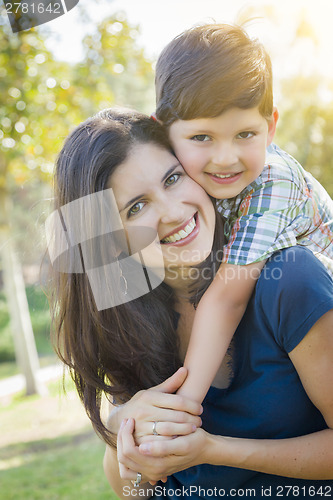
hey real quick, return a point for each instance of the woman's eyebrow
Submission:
(169, 172)
(136, 198)
(130, 202)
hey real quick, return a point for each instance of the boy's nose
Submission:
(224, 155)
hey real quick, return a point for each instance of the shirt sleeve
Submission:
(269, 218)
(293, 291)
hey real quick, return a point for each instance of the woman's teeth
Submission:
(183, 233)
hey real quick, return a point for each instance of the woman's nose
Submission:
(172, 213)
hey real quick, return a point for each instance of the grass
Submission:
(51, 469)
(48, 450)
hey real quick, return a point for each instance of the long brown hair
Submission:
(133, 346)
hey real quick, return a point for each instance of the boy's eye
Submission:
(247, 134)
(135, 209)
(200, 138)
(172, 179)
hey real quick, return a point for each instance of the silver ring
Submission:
(154, 429)
(137, 482)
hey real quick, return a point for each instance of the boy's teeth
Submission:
(183, 233)
(224, 176)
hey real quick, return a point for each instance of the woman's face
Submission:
(153, 191)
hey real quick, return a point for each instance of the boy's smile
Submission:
(224, 154)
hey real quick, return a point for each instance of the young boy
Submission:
(214, 93)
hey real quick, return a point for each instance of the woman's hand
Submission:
(174, 415)
(155, 460)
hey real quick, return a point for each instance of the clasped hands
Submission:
(180, 441)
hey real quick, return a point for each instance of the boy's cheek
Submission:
(188, 156)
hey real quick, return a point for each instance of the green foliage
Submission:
(4, 315)
(40, 319)
(305, 127)
(6, 344)
(31, 122)
(114, 69)
(37, 299)
(6, 339)
(41, 100)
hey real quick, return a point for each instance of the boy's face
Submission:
(224, 154)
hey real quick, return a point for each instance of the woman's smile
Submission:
(153, 191)
(184, 234)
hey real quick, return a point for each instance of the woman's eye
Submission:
(172, 179)
(246, 135)
(200, 138)
(135, 209)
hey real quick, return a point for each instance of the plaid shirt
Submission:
(283, 207)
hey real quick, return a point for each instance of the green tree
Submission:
(114, 69)
(305, 127)
(40, 101)
(22, 159)
(36, 110)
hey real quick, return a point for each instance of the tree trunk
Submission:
(24, 341)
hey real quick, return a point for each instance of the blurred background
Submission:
(51, 78)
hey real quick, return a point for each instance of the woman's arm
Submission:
(305, 457)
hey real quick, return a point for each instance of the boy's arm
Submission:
(216, 319)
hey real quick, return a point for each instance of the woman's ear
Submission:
(272, 126)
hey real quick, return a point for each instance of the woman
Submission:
(268, 418)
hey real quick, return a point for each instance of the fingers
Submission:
(148, 438)
(167, 429)
(163, 448)
(125, 446)
(180, 403)
(173, 383)
(131, 461)
(164, 480)
(174, 402)
(168, 414)
(174, 428)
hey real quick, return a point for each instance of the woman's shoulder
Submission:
(295, 267)
(293, 291)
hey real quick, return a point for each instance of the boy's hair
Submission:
(209, 69)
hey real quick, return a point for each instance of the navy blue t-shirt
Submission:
(265, 399)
